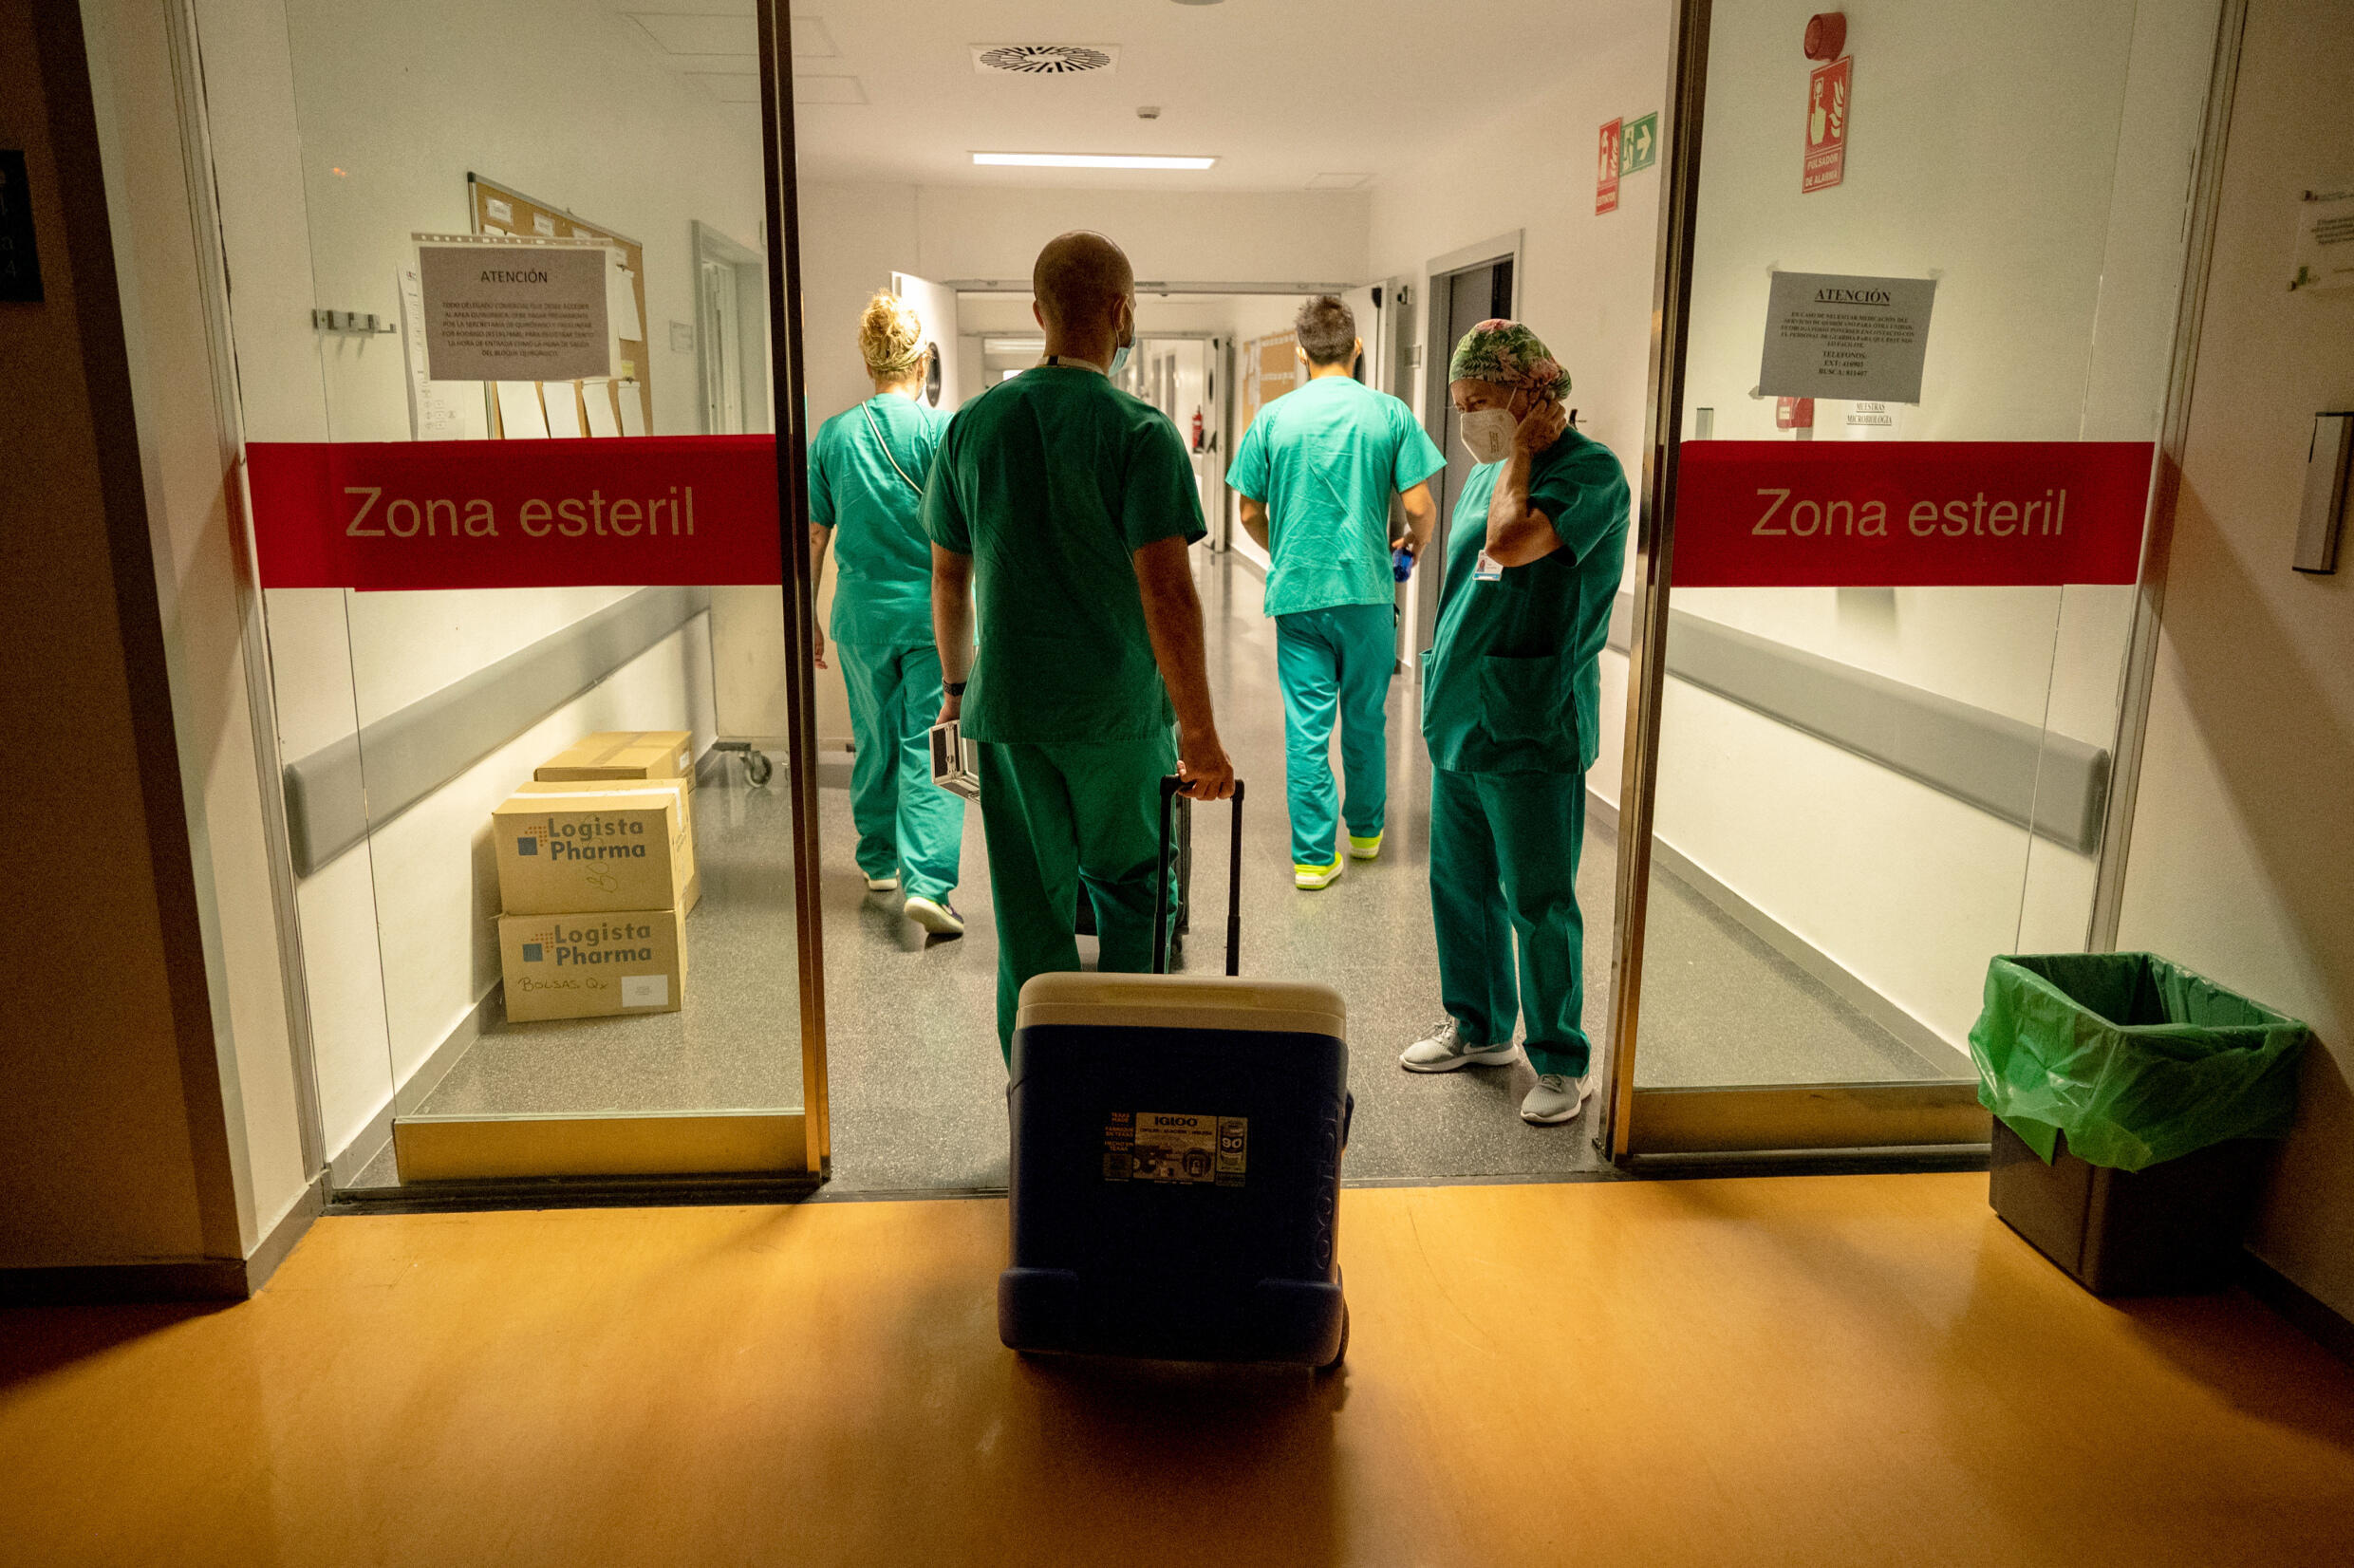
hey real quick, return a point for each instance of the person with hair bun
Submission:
(867, 473)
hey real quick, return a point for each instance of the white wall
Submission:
(2242, 838)
(553, 98)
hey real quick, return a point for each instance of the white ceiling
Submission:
(1287, 94)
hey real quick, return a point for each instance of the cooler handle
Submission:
(1169, 786)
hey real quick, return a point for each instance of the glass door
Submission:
(517, 503)
(1920, 289)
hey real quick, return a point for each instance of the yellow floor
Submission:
(1813, 1371)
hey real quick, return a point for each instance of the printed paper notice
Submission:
(632, 408)
(2325, 257)
(621, 301)
(1854, 339)
(438, 410)
(528, 310)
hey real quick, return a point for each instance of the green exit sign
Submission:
(1638, 145)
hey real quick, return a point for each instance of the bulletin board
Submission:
(1270, 369)
(498, 210)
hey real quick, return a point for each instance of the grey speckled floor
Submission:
(918, 1088)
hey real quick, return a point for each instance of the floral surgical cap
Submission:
(1510, 355)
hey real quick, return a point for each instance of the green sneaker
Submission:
(1316, 876)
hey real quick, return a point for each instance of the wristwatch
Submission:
(954, 688)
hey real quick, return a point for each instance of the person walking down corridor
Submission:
(866, 483)
(1316, 472)
(1065, 507)
(1511, 694)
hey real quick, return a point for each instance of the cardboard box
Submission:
(689, 889)
(623, 754)
(592, 966)
(589, 849)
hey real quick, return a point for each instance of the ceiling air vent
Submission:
(1044, 59)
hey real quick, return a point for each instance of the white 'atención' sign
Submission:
(1859, 338)
(502, 308)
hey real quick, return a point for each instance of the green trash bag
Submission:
(2138, 1060)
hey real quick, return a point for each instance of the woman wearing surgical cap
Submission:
(1511, 689)
(867, 473)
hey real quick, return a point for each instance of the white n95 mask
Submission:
(1488, 433)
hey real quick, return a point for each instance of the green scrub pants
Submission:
(1334, 664)
(906, 824)
(1504, 866)
(1060, 817)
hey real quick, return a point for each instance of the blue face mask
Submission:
(1120, 357)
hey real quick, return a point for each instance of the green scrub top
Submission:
(1051, 483)
(1324, 459)
(1513, 681)
(881, 559)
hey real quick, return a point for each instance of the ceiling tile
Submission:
(828, 89)
(701, 34)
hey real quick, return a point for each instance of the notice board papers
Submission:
(519, 414)
(1831, 336)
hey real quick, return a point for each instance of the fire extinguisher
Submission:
(1196, 430)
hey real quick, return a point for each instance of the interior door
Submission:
(1460, 302)
(1879, 760)
(938, 307)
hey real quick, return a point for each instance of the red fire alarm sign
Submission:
(1606, 169)
(1826, 125)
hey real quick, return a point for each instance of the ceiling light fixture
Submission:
(1086, 160)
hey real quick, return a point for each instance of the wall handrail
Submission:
(338, 794)
(2052, 784)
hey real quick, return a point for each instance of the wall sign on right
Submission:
(1827, 91)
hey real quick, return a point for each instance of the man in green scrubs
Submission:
(1316, 470)
(1066, 507)
(1511, 689)
(866, 476)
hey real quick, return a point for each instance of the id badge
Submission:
(1489, 570)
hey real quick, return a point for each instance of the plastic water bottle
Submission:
(1402, 562)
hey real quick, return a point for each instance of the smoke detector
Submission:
(1045, 58)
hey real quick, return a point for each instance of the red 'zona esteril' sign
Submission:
(688, 510)
(1909, 514)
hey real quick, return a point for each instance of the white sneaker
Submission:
(1445, 1050)
(1557, 1098)
(936, 915)
(883, 885)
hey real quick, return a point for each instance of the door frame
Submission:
(781, 164)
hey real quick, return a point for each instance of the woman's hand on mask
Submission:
(1545, 420)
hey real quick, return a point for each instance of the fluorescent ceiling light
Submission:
(1086, 160)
